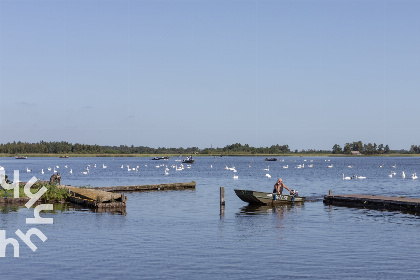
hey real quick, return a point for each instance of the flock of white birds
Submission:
(180, 167)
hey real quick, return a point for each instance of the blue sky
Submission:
(309, 74)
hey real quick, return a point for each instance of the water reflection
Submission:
(252, 209)
(64, 207)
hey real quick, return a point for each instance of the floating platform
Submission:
(404, 204)
(158, 187)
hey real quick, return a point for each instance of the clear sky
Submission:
(309, 74)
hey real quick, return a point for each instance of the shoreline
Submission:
(211, 155)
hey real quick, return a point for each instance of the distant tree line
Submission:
(42, 147)
(367, 149)
(246, 149)
(69, 148)
(63, 147)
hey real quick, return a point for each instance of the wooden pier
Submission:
(95, 198)
(141, 188)
(404, 204)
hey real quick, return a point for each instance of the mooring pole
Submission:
(222, 195)
(222, 202)
(330, 192)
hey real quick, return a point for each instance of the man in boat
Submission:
(278, 187)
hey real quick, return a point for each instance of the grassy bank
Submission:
(53, 194)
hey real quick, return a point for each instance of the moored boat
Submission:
(159, 158)
(265, 198)
(271, 159)
(21, 157)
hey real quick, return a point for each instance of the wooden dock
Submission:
(158, 187)
(404, 204)
(95, 198)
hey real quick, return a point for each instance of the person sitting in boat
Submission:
(278, 187)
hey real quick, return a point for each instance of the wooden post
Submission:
(330, 192)
(222, 195)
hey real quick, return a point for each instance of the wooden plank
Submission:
(138, 188)
(93, 194)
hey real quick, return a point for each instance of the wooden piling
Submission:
(222, 195)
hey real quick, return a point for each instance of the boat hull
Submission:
(264, 198)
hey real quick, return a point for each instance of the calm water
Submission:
(181, 234)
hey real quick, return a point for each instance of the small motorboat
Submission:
(264, 198)
(159, 158)
(271, 159)
(188, 160)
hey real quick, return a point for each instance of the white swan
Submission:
(268, 175)
(286, 166)
(346, 178)
(361, 177)
(414, 176)
(71, 171)
(103, 165)
(28, 170)
(330, 166)
(390, 175)
(42, 171)
(403, 175)
(267, 169)
(235, 177)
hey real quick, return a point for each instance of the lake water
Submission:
(182, 235)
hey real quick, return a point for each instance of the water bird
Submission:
(403, 175)
(267, 169)
(330, 166)
(346, 178)
(85, 172)
(285, 166)
(235, 177)
(42, 171)
(28, 170)
(390, 175)
(268, 175)
(49, 168)
(71, 171)
(360, 177)
(414, 176)
(350, 166)
(380, 166)
(65, 166)
(103, 165)
(394, 166)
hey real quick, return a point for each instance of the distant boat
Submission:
(64, 156)
(159, 158)
(188, 160)
(271, 159)
(21, 157)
